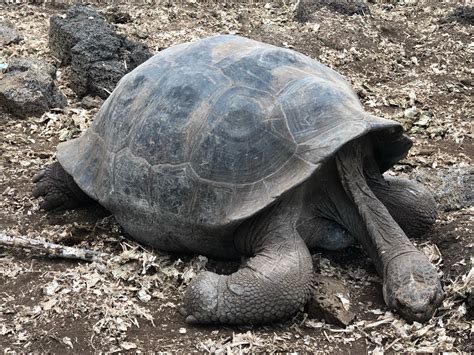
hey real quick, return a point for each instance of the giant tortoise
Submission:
(230, 147)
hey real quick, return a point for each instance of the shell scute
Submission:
(241, 140)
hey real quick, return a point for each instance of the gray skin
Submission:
(229, 147)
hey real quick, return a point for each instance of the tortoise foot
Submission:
(201, 299)
(58, 189)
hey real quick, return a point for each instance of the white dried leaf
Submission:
(462, 309)
(410, 112)
(424, 330)
(313, 324)
(315, 27)
(51, 288)
(65, 291)
(68, 342)
(4, 330)
(188, 275)
(432, 253)
(92, 280)
(377, 312)
(63, 135)
(126, 345)
(377, 323)
(36, 310)
(143, 295)
(49, 304)
(377, 351)
(121, 324)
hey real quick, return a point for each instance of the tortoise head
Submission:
(412, 286)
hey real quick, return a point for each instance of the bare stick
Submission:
(51, 249)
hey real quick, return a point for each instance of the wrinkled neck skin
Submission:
(326, 196)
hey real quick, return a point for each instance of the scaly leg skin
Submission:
(58, 189)
(411, 283)
(274, 282)
(410, 203)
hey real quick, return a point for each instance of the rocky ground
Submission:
(411, 63)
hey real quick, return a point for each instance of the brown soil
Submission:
(409, 63)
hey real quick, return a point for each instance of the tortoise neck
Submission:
(376, 230)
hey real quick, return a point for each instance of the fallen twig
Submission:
(52, 249)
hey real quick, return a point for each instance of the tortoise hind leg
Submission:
(58, 189)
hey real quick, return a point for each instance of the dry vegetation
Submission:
(409, 63)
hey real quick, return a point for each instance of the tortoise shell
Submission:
(209, 133)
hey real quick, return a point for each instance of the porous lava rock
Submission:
(27, 88)
(8, 34)
(98, 56)
(463, 15)
(453, 188)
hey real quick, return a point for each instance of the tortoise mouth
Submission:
(415, 301)
(420, 314)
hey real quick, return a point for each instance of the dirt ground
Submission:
(411, 63)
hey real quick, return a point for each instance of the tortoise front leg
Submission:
(272, 284)
(410, 203)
